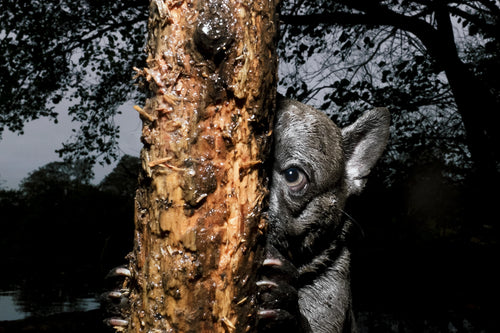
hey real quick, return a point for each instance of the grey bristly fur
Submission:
(307, 223)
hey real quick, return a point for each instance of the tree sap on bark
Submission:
(206, 134)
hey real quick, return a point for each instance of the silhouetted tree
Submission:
(424, 58)
(56, 176)
(122, 181)
(68, 231)
(79, 53)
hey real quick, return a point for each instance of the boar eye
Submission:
(296, 179)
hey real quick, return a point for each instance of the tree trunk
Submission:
(206, 131)
(479, 111)
(475, 103)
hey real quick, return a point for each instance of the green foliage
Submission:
(76, 53)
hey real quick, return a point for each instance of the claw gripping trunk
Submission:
(206, 133)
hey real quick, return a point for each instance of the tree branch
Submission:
(374, 16)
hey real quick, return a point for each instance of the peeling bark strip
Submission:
(206, 132)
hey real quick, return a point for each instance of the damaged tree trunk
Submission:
(206, 132)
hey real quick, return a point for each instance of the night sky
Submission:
(22, 154)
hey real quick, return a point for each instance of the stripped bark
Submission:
(206, 132)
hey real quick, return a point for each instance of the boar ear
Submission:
(363, 143)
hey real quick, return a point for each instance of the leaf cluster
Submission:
(341, 56)
(347, 56)
(73, 54)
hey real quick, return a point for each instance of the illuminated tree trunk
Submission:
(206, 132)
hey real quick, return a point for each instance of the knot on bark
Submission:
(213, 35)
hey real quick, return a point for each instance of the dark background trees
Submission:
(407, 54)
(435, 64)
(426, 215)
(61, 234)
(80, 53)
